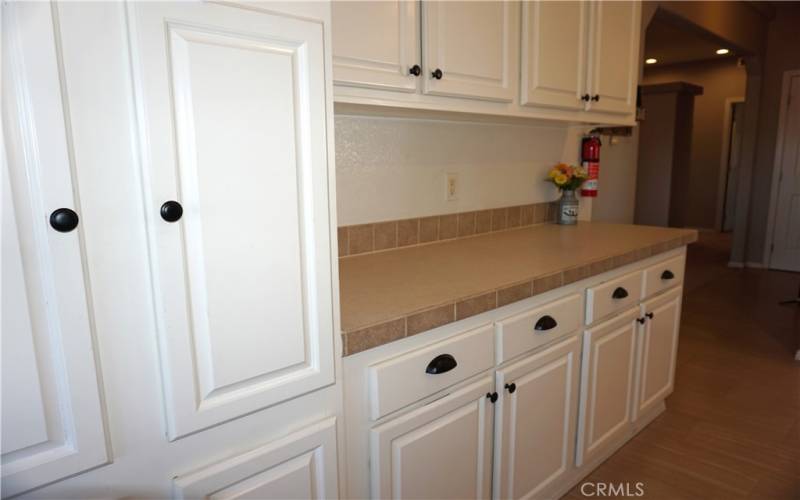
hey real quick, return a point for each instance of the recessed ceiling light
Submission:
(722, 52)
(650, 60)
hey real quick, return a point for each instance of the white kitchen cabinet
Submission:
(614, 56)
(536, 421)
(657, 350)
(440, 450)
(467, 49)
(301, 465)
(52, 411)
(377, 44)
(233, 126)
(607, 385)
(553, 54)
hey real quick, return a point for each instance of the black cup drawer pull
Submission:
(619, 293)
(545, 323)
(441, 364)
(667, 275)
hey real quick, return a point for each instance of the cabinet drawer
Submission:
(400, 381)
(537, 327)
(612, 296)
(662, 276)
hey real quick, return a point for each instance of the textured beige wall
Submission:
(720, 80)
(394, 168)
(783, 54)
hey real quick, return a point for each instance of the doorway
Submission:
(784, 249)
(731, 147)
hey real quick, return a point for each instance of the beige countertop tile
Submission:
(387, 286)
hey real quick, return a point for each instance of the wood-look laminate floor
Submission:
(732, 426)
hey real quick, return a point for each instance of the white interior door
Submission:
(376, 44)
(607, 384)
(658, 350)
(232, 117)
(52, 416)
(301, 465)
(536, 423)
(614, 60)
(554, 54)
(786, 236)
(471, 43)
(442, 450)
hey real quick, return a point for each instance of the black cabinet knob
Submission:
(619, 293)
(437, 73)
(545, 323)
(171, 211)
(585, 97)
(441, 364)
(64, 220)
(415, 70)
(650, 315)
(511, 387)
(492, 396)
(641, 320)
(596, 97)
(667, 275)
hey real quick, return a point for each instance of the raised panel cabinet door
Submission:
(614, 56)
(301, 465)
(536, 421)
(658, 350)
(607, 383)
(376, 44)
(52, 415)
(441, 450)
(554, 54)
(232, 127)
(472, 45)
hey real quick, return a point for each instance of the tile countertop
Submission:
(390, 295)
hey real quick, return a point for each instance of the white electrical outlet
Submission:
(451, 187)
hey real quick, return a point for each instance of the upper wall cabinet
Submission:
(376, 45)
(614, 49)
(571, 61)
(553, 72)
(467, 49)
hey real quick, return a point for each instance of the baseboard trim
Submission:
(736, 265)
(754, 265)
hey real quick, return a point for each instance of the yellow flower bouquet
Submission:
(567, 177)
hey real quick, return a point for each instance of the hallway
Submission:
(732, 426)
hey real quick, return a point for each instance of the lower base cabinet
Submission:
(441, 450)
(607, 384)
(536, 421)
(301, 465)
(657, 351)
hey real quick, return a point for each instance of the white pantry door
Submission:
(232, 127)
(786, 239)
(52, 416)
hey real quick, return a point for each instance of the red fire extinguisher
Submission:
(590, 159)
